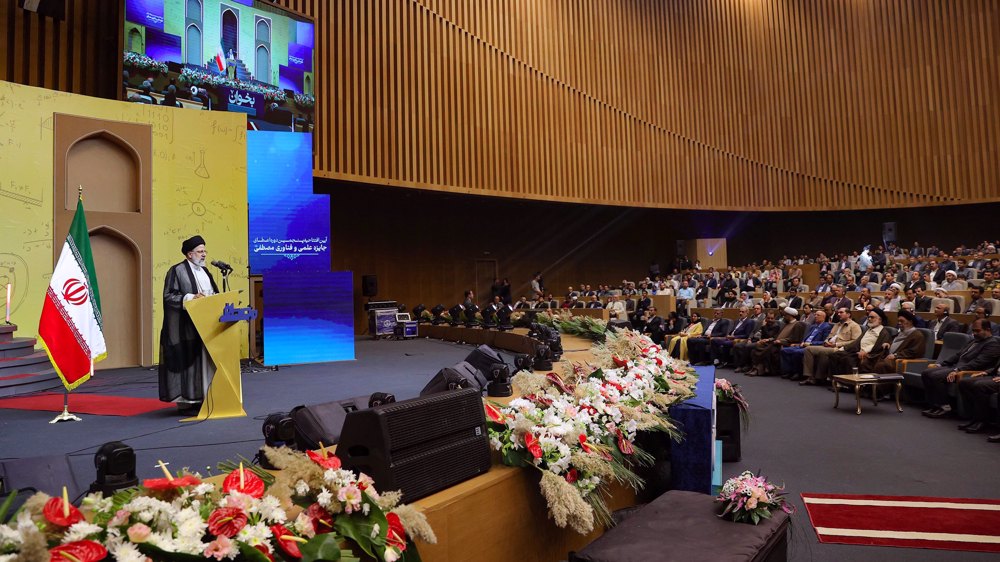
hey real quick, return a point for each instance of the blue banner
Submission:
(163, 47)
(300, 57)
(290, 78)
(242, 101)
(145, 12)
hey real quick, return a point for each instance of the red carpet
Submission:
(95, 404)
(906, 521)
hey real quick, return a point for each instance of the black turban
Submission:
(909, 316)
(191, 244)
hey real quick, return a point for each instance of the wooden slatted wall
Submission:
(723, 104)
(79, 54)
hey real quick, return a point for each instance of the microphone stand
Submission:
(225, 279)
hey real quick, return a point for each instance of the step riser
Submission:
(35, 365)
(31, 384)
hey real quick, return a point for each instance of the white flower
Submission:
(324, 497)
(375, 530)
(270, 509)
(365, 509)
(391, 554)
(79, 531)
(255, 535)
(203, 488)
(126, 552)
(97, 502)
(301, 488)
(304, 526)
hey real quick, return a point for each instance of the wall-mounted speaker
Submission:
(369, 285)
(888, 232)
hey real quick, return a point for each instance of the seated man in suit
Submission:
(864, 352)
(943, 323)
(792, 355)
(980, 354)
(595, 302)
(719, 327)
(794, 300)
(720, 348)
(908, 344)
(765, 355)
(815, 358)
(616, 308)
(976, 391)
(921, 303)
(977, 301)
(766, 329)
(651, 324)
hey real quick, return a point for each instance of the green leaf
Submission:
(6, 505)
(250, 553)
(515, 457)
(410, 554)
(358, 528)
(325, 548)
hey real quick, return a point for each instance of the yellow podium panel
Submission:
(222, 342)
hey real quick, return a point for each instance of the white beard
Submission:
(200, 262)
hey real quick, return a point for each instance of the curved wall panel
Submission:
(726, 104)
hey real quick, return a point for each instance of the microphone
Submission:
(222, 265)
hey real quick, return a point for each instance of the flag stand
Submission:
(65, 415)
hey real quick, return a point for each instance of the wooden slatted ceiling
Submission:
(726, 104)
(79, 54)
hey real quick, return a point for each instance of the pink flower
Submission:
(138, 533)
(220, 548)
(120, 518)
(350, 495)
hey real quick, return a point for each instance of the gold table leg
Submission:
(857, 397)
(836, 394)
(899, 388)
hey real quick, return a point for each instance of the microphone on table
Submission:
(222, 265)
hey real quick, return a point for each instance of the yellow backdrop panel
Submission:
(199, 187)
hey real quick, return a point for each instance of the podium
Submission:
(222, 342)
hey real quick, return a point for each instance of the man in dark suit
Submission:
(651, 323)
(916, 251)
(943, 323)
(791, 355)
(595, 302)
(794, 300)
(837, 298)
(765, 356)
(980, 354)
(915, 281)
(976, 300)
(921, 302)
(719, 327)
(720, 349)
(977, 392)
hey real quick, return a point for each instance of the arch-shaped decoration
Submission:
(230, 30)
(262, 30)
(135, 43)
(118, 262)
(113, 184)
(193, 10)
(307, 85)
(192, 40)
(262, 64)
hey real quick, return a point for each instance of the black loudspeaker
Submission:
(459, 376)
(319, 422)
(369, 285)
(888, 232)
(418, 446)
(483, 358)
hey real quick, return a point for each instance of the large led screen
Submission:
(308, 317)
(289, 224)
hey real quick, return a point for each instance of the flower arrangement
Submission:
(726, 391)
(584, 326)
(203, 78)
(579, 428)
(142, 62)
(749, 497)
(305, 101)
(310, 511)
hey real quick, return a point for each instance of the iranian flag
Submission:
(220, 59)
(71, 327)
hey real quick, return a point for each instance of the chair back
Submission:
(928, 342)
(996, 306)
(682, 323)
(892, 331)
(952, 343)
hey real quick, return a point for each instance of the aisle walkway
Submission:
(797, 437)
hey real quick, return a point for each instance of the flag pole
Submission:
(66, 415)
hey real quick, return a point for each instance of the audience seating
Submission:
(953, 342)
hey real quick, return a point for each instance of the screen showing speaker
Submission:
(289, 224)
(308, 317)
(249, 56)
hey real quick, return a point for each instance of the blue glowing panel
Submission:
(308, 317)
(145, 12)
(163, 47)
(300, 57)
(290, 78)
(289, 224)
(304, 34)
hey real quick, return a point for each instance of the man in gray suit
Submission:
(980, 354)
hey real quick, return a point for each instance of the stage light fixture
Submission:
(470, 316)
(115, 464)
(499, 385)
(436, 311)
(523, 362)
(401, 308)
(503, 317)
(489, 317)
(456, 314)
(279, 431)
(418, 312)
(543, 358)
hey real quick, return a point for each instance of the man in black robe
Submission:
(185, 367)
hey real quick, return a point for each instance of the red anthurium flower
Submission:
(170, 484)
(252, 484)
(618, 361)
(321, 519)
(264, 551)
(583, 443)
(55, 513)
(396, 534)
(572, 475)
(555, 379)
(288, 546)
(325, 460)
(624, 445)
(227, 521)
(531, 442)
(494, 413)
(659, 362)
(78, 551)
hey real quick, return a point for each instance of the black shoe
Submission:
(967, 425)
(797, 378)
(786, 376)
(976, 427)
(930, 410)
(807, 382)
(944, 412)
(994, 438)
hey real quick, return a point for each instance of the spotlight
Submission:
(523, 362)
(499, 385)
(543, 358)
(279, 431)
(456, 314)
(418, 312)
(470, 316)
(380, 398)
(115, 463)
(436, 311)
(503, 317)
(489, 317)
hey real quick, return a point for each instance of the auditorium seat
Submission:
(948, 302)
(952, 343)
